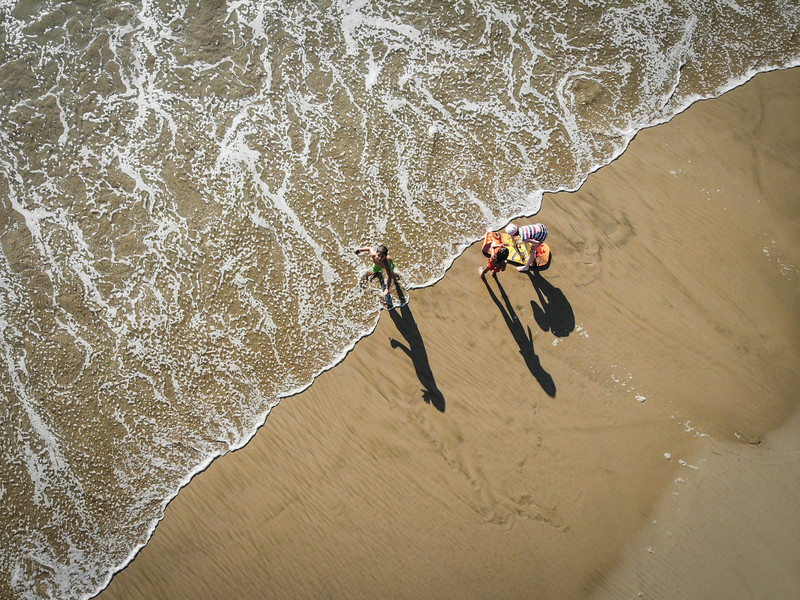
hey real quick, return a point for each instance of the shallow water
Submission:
(183, 186)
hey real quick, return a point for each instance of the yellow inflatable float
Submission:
(518, 251)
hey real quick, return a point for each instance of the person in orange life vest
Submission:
(530, 234)
(382, 262)
(497, 261)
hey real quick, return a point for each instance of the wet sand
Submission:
(622, 425)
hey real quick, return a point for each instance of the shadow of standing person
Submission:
(404, 321)
(555, 313)
(523, 338)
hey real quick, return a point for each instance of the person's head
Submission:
(381, 251)
(512, 229)
(501, 256)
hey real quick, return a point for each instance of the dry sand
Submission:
(623, 426)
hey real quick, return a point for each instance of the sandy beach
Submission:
(621, 425)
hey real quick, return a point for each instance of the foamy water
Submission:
(182, 190)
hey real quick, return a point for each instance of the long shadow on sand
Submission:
(404, 321)
(555, 313)
(523, 338)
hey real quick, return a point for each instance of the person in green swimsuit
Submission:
(382, 262)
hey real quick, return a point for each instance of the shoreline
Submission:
(357, 484)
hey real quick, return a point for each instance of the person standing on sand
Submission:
(530, 234)
(382, 262)
(497, 261)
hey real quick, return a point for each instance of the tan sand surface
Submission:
(622, 426)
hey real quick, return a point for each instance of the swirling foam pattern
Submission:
(182, 185)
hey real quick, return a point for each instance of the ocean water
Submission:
(182, 186)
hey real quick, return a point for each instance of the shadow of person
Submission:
(555, 313)
(523, 338)
(404, 321)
